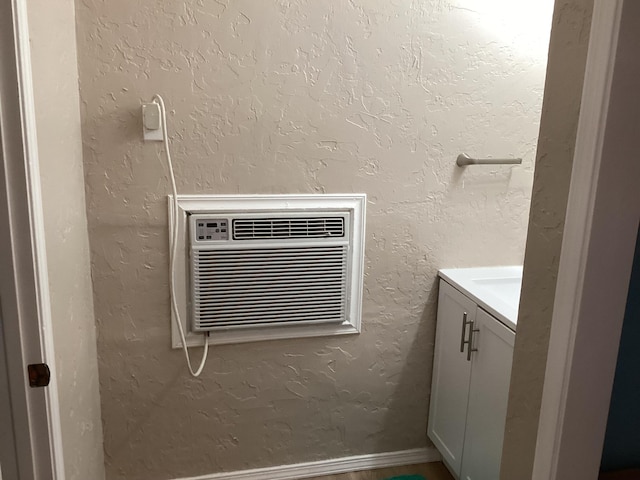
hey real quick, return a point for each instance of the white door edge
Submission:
(594, 271)
(27, 290)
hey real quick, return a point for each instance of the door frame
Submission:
(598, 246)
(24, 285)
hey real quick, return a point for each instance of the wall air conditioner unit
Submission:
(272, 266)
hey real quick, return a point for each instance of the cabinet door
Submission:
(451, 372)
(488, 395)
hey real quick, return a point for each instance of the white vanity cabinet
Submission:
(470, 386)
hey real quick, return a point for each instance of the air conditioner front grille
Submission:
(292, 227)
(264, 286)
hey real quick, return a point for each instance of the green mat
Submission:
(408, 477)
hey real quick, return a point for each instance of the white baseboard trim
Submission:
(329, 467)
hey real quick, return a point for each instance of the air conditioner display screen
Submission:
(212, 229)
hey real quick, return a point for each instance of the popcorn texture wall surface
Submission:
(295, 97)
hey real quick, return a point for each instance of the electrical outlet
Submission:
(152, 122)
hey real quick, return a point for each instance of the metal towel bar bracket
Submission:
(464, 160)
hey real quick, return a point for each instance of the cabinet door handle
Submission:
(470, 342)
(464, 330)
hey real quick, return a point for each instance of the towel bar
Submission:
(464, 160)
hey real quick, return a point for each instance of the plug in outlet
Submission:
(151, 122)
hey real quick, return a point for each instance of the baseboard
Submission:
(329, 467)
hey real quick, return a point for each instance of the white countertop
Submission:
(494, 289)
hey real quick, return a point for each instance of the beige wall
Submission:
(298, 96)
(55, 73)
(560, 111)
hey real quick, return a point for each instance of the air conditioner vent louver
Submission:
(292, 227)
(247, 287)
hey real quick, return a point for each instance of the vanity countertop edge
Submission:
(495, 289)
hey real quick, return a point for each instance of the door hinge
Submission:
(39, 375)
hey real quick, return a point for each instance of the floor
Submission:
(431, 471)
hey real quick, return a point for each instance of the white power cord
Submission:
(174, 246)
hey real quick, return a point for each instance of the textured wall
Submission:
(55, 73)
(297, 96)
(559, 122)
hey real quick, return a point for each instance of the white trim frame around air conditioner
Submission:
(356, 203)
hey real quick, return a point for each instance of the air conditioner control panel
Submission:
(208, 229)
